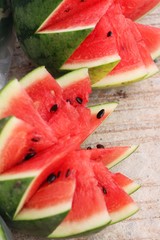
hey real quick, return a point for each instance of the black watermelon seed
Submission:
(156, 60)
(58, 174)
(35, 139)
(51, 178)
(68, 173)
(89, 148)
(109, 34)
(29, 155)
(101, 113)
(54, 108)
(79, 100)
(100, 146)
(104, 190)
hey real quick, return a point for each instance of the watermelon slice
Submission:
(151, 37)
(119, 204)
(10, 105)
(75, 223)
(131, 67)
(86, 55)
(144, 51)
(73, 14)
(46, 209)
(113, 155)
(127, 184)
(33, 175)
(135, 9)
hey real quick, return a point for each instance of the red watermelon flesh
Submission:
(52, 198)
(127, 184)
(75, 15)
(76, 84)
(131, 66)
(88, 202)
(45, 91)
(144, 51)
(151, 37)
(111, 156)
(10, 105)
(98, 48)
(135, 9)
(117, 200)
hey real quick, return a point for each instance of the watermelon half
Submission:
(63, 39)
(44, 181)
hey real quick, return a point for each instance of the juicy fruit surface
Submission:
(62, 38)
(48, 195)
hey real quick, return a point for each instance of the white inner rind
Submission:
(25, 174)
(73, 77)
(7, 130)
(123, 77)
(152, 69)
(155, 54)
(130, 188)
(32, 214)
(123, 156)
(123, 213)
(76, 227)
(71, 29)
(108, 107)
(34, 76)
(92, 62)
(7, 95)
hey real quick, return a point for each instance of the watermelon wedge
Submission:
(135, 9)
(30, 178)
(86, 55)
(127, 184)
(119, 204)
(131, 67)
(151, 37)
(113, 155)
(150, 65)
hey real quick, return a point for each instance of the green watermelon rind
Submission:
(5, 233)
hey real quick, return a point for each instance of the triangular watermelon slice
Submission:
(98, 52)
(70, 15)
(143, 49)
(88, 203)
(151, 37)
(119, 204)
(131, 67)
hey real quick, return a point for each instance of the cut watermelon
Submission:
(10, 105)
(151, 37)
(128, 185)
(131, 67)
(98, 49)
(150, 65)
(112, 156)
(135, 9)
(73, 14)
(119, 204)
(33, 207)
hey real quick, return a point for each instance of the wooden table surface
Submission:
(135, 121)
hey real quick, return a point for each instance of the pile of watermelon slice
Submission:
(49, 185)
(100, 35)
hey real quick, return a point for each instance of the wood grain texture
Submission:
(135, 121)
